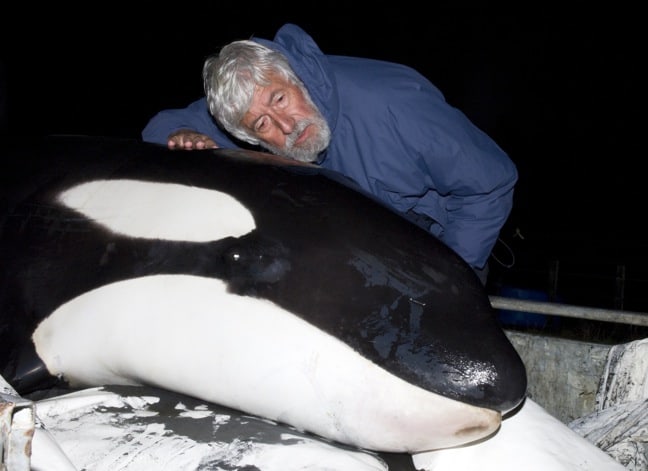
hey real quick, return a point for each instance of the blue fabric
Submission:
(395, 135)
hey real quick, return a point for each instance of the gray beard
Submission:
(309, 150)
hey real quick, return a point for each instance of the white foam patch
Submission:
(189, 334)
(95, 435)
(104, 434)
(160, 210)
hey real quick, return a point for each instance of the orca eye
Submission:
(235, 254)
(248, 264)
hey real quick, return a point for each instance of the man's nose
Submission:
(285, 123)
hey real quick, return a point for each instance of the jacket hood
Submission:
(311, 66)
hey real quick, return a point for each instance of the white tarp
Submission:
(619, 425)
(128, 428)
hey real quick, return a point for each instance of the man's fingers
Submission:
(190, 140)
(210, 144)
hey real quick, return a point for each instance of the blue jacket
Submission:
(394, 134)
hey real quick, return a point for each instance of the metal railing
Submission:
(567, 310)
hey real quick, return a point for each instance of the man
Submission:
(382, 124)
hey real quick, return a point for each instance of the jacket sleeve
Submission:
(456, 174)
(475, 220)
(196, 117)
(473, 181)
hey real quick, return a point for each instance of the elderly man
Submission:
(381, 124)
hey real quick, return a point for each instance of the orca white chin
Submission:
(188, 334)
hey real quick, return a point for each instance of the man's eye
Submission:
(261, 125)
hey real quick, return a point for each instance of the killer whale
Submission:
(248, 280)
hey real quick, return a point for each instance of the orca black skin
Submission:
(321, 249)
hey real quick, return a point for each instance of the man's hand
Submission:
(186, 139)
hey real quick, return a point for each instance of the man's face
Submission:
(286, 122)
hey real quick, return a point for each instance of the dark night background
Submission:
(557, 88)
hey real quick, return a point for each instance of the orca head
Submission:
(345, 308)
